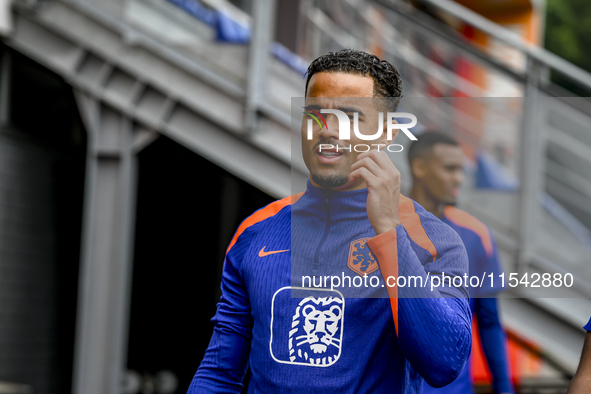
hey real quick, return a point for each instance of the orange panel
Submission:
(522, 362)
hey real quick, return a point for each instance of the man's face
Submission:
(442, 172)
(333, 90)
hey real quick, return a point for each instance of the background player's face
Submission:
(330, 169)
(442, 172)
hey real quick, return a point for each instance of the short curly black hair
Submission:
(387, 80)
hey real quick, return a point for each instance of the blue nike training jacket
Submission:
(382, 327)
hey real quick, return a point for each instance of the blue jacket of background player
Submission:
(483, 258)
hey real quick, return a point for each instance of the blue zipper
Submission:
(326, 200)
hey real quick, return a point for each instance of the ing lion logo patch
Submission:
(307, 326)
(361, 260)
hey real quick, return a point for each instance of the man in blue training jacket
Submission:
(303, 336)
(436, 163)
(581, 383)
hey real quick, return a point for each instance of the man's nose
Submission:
(331, 129)
(459, 178)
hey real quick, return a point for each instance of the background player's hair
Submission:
(387, 80)
(425, 143)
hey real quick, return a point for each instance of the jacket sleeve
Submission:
(226, 359)
(432, 321)
(492, 338)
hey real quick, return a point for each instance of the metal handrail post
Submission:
(258, 61)
(531, 154)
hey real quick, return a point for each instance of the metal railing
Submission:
(545, 155)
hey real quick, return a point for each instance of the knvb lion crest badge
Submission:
(361, 260)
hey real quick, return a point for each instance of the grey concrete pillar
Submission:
(107, 250)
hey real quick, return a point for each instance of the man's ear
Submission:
(384, 138)
(418, 168)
